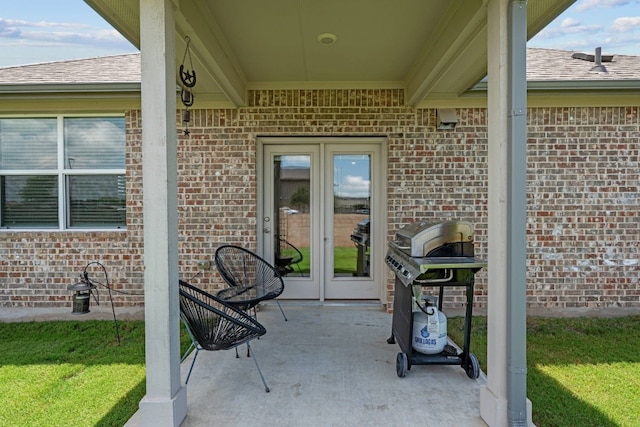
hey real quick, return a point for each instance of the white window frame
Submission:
(62, 173)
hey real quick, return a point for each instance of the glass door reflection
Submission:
(351, 215)
(292, 202)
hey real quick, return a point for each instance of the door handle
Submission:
(267, 230)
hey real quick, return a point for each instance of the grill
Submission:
(360, 237)
(420, 245)
(431, 254)
(360, 234)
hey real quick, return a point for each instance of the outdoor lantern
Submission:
(82, 294)
(85, 288)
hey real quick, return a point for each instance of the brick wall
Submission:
(583, 194)
(584, 231)
(36, 268)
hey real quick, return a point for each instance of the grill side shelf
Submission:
(440, 263)
(408, 269)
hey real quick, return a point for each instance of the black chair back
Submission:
(287, 256)
(215, 325)
(254, 278)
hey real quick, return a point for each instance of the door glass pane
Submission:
(351, 209)
(292, 222)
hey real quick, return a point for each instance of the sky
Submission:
(351, 172)
(36, 31)
(613, 25)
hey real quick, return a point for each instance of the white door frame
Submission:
(298, 287)
(378, 208)
(360, 287)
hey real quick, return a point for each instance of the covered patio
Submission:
(329, 365)
(435, 52)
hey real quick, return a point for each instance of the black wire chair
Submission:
(215, 325)
(251, 279)
(287, 256)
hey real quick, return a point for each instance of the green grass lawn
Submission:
(70, 373)
(345, 260)
(581, 371)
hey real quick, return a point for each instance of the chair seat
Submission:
(244, 296)
(283, 261)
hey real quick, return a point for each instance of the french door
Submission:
(321, 215)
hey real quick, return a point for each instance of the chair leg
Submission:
(281, 311)
(248, 352)
(194, 343)
(194, 346)
(192, 363)
(188, 352)
(266, 387)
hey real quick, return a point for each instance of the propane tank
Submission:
(429, 328)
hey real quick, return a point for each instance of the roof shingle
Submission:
(104, 69)
(542, 65)
(558, 65)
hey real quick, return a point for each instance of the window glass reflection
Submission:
(292, 201)
(29, 201)
(94, 143)
(28, 143)
(96, 200)
(351, 205)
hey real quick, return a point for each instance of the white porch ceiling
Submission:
(434, 49)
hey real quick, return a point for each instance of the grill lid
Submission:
(363, 226)
(423, 247)
(419, 238)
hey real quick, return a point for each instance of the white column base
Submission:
(493, 409)
(155, 412)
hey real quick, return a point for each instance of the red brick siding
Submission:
(583, 226)
(583, 194)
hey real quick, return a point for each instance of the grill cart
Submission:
(435, 255)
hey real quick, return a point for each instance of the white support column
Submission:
(501, 401)
(165, 403)
(493, 397)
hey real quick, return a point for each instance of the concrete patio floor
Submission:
(329, 365)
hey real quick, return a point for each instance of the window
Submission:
(62, 172)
